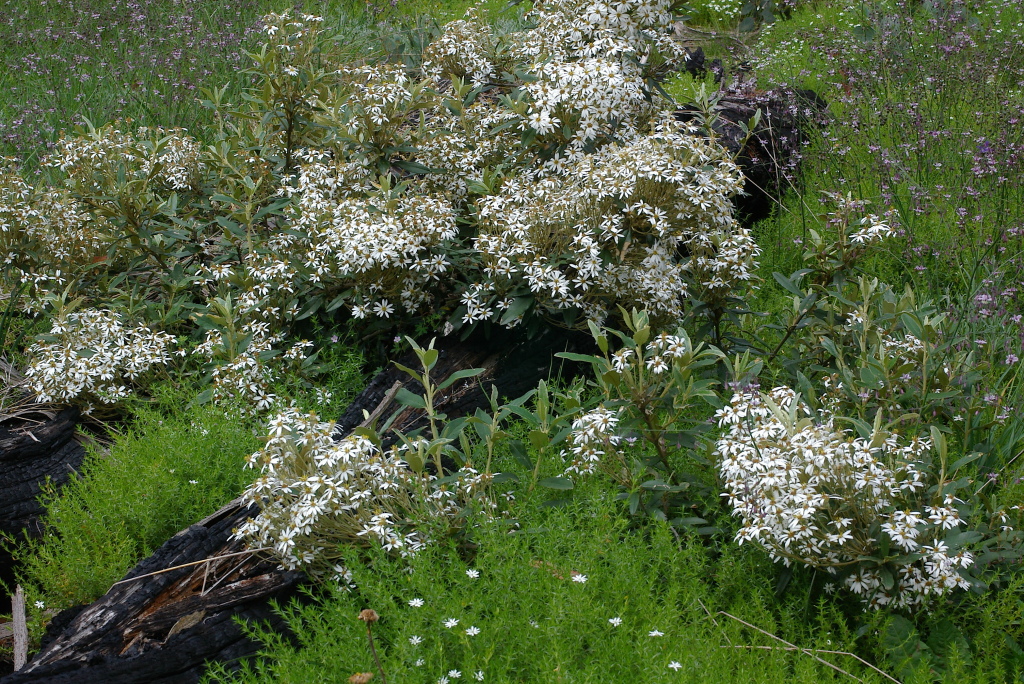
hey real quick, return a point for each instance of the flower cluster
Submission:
(592, 436)
(248, 374)
(44, 234)
(570, 222)
(317, 495)
(90, 354)
(93, 160)
(392, 248)
(609, 229)
(809, 493)
(466, 49)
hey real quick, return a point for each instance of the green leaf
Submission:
(204, 397)
(612, 377)
(583, 358)
(887, 578)
(519, 306)
(969, 458)
(505, 477)
(784, 578)
(539, 439)
(414, 168)
(414, 461)
(560, 483)
(688, 522)
(407, 398)
(409, 371)
(429, 358)
(787, 284)
(459, 375)
(85, 353)
(338, 301)
(518, 450)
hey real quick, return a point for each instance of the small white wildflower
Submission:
(479, 676)
(420, 662)
(451, 622)
(473, 574)
(615, 621)
(193, 482)
(416, 603)
(472, 631)
(454, 674)
(655, 633)
(415, 640)
(579, 579)
(40, 605)
(675, 665)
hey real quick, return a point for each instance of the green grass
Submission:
(537, 625)
(173, 466)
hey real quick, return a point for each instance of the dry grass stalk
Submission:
(812, 652)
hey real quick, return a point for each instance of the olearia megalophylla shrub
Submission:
(869, 510)
(318, 496)
(535, 175)
(91, 356)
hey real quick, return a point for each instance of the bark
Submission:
(32, 453)
(770, 159)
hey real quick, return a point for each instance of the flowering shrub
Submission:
(317, 496)
(518, 198)
(44, 234)
(242, 360)
(866, 508)
(90, 356)
(650, 386)
(564, 222)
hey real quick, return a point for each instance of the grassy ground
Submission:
(567, 595)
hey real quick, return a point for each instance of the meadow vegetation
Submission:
(795, 455)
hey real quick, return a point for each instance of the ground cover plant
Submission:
(802, 429)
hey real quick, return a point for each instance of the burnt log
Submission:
(35, 448)
(178, 609)
(770, 157)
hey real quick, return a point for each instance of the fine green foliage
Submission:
(171, 468)
(567, 595)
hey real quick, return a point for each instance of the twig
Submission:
(383, 404)
(811, 652)
(228, 574)
(715, 621)
(20, 628)
(370, 616)
(817, 650)
(187, 565)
